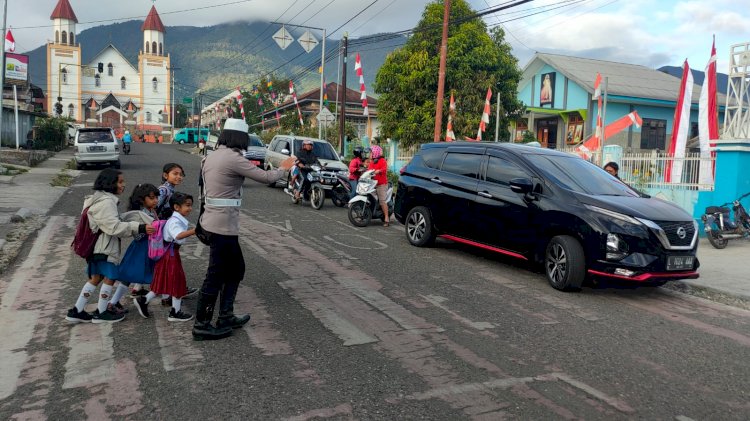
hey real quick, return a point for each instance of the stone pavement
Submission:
(722, 271)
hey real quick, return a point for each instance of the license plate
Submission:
(680, 262)
(96, 149)
(254, 162)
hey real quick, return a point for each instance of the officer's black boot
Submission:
(227, 318)
(202, 329)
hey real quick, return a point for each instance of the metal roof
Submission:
(153, 21)
(625, 79)
(63, 10)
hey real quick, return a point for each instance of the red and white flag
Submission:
(10, 42)
(239, 101)
(708, 120)
(592, 144)
(449, 135)
(363, 92)
(294, 96)
(485, 115)
(681, 127)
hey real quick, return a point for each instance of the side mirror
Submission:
(285, 151)
(521, 185)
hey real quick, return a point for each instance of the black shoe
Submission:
(232, 321)
(142, 306)
(76, 316)
(179, 316)
(190, 292)
(117, 308)
(106, 317)
(138, 292)
(202, 329)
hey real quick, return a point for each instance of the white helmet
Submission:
(127, 131)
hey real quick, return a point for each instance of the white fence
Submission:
(644, 170)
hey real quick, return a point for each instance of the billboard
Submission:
(547, 93)
(16, 67)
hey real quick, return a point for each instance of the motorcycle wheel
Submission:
(317, 197)
(715, 239)
(339, 197)
(360, 214)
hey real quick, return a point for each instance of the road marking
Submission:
(199, 247)
(288, 225)
(260, 329)
(16, 329)
(258, 249)
(380, 245)
(438, 301)
(91, 358)
(176, 345)
(443, 392)
(611, 401)
(343, 409)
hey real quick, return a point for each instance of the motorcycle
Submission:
(364, 206)
(126, 148)
(341, 191)
(720, 227)
(319, 179)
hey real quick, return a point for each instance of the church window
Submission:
(110, 69)
(71, 109)
(148, 116)
(57, 37)
(153, 47)
(161, 52)
(64, 76)
(71, 39)
(97, 81)
(147, 47)
(154, 84)
(64, 37)
(123, 83)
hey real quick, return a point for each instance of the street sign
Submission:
(325, 116)
(187, 100)
(283, 38)
(308, 41)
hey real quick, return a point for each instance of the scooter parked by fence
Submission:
(720, 226)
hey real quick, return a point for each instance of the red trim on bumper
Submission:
(483, 246)
(648, 276)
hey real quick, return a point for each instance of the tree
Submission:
(477, 60)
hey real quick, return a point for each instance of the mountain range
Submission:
(218, 58)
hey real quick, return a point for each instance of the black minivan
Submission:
(547, 207)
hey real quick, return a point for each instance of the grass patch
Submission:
(63, 179)
(12, 170)
(70, 165)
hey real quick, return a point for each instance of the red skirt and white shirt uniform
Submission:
(169, 277)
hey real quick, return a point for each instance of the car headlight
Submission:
(617, 248)
(615, 215)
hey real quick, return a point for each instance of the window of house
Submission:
(501, 171)
(694, 132)
(71, 109)
(57, 37)
(71, 38)
(465, 164)
(154, 84)
(64, 37)
(161, 52)
(64, 76)
(97, 81)
(148, 116)
(123, 83)
(153, 47)
(521, 127)
(110, 69)
(653, 134)
(148, 47)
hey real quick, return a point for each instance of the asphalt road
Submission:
(353, 323)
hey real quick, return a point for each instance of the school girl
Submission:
(172, 176)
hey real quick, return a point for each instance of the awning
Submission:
(564, 114)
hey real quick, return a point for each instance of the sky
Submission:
(652, 33)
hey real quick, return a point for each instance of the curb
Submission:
(20, 216)
(733, 299)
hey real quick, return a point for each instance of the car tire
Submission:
(419, 229)
(565, 263)
(117, 165)
(182, 142)
(79, 166)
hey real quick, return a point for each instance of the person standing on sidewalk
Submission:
(223, 172)
(104, 217)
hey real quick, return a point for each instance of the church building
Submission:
(109, 90)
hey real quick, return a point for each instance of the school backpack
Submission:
(84, 239)
(157, 247)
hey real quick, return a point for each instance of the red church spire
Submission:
(152, 22)
(63, 10)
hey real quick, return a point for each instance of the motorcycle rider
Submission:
(356, 167)
(126, 140)
(380, 166)
(305, 159)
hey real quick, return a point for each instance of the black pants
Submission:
(226, 265)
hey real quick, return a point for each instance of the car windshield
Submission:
(94, 136)
(580, 176)
(255, 141)
(323, 150)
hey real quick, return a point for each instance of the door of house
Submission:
(546, 133)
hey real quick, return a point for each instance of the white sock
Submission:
(150, 296)
(83, 299)
(119, 292)
(176, 304)
(105, 292)
(164, 296)
(136, 287)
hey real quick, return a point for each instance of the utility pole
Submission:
(342, 102)
(441, 72)
(497, 114)
(174, 101)
(2, 71)
(602, 138)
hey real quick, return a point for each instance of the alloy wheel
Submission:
(416, 226)
(557, 264)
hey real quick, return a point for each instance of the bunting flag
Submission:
(363, 92)
(239, 101)
(325, 93)
(294, 96)
(218, 120)
(10, 42)
(485, 115)
(449, 135)
(708, 121)
(598, 97)
(680, 128)
(592, 144)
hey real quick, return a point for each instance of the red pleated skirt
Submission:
(169, 277)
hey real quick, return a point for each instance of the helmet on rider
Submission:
(127, 131)
(357, 151)
(377, 151)
(307, 142)
(366, 153)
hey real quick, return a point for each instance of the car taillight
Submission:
(402, 170)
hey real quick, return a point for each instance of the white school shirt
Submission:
(174, 226)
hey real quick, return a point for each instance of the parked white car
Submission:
(96, 145)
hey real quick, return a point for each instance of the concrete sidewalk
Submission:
(724, 271)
